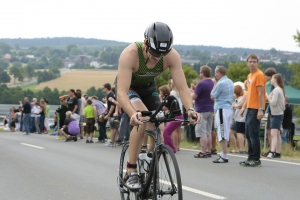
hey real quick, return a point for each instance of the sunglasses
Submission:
(155, 54)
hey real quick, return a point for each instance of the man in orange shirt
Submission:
(255, 104)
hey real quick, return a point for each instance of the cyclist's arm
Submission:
(177, 74)
(126, 62)
(178, 78)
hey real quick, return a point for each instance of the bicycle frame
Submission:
(153, 172)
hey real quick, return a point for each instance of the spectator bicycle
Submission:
(158, 171)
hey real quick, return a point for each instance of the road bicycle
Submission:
(158, 171)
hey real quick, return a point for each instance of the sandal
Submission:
(200, 155)
(233, 151)
(214, 152)
(242, 152)
(208, 154)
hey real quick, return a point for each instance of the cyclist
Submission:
(139, 64)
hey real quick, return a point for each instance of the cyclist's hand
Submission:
(136, 119)
(194, 117)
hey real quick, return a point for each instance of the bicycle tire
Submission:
(168, 172)
(124, 192)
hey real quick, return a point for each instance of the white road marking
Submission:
(207, 194)
(189, 189)
(30, 145)
(264, 159)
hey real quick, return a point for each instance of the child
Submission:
(89, 117)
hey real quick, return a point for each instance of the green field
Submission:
(31, 87)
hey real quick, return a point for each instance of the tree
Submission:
(20, 77)
(273, 51)
(29, 72)
(295, 79)
(204, 57)
(232, 58)
(238, 71)
(297, 38)
(5, 48)
(70, 47)
(14, 59)
(75, 51)
(190, 74)
(91, 91)
(295, 67)
(17, 64)
(15, 71)
(3, 63)
(4, 77)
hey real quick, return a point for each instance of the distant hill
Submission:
(60, 41)
(99, 43)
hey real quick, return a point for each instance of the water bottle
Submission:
(149, 159)
(142, 157)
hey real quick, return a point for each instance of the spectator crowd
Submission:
(230, 114)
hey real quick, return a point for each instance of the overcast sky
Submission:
(257, 24)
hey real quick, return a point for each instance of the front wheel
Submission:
(167, 180)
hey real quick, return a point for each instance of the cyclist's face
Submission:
(154, 54)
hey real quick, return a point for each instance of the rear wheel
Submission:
(124, 192)
(167, 182)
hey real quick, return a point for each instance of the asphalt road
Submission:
(39, 167)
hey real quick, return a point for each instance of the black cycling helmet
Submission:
(159, 39)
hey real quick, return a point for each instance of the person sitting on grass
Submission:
(89, 117)
(70, 128)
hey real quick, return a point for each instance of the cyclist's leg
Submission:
(136, 135)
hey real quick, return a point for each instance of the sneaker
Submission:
(133, 182)
(271, 155)
(68, 139)
(265, 154)
(242, 152)
(253, 163)
(243, 163)
(91, 141)
(100, 141)
(87, 141)
(75, 139)
(220, 160)
(61, 138)
(110, 144)
(81, 137)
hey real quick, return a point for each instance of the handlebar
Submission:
(174, 111)
(165, 119)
